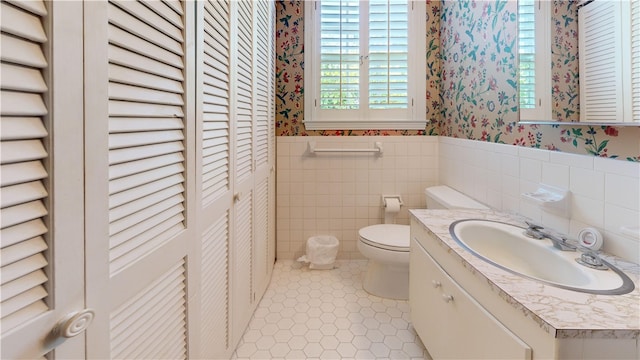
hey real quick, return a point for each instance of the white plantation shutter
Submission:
(216, 100)
(527, 53)
(23, 237)
(244, 94)
(340, 54)
(215, 289)
(601, 93)
(388, 54)
(361, 72)
(152, 325)
(146, 129)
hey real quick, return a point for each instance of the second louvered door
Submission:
(138, 232)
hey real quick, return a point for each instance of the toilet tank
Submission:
(444, 197)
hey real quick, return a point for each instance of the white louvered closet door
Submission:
(137, 129)
(39, 286)
(215, 185)
(243, 295)
(263, 119)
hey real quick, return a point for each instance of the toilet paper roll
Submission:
(590, 238)
(393, 205)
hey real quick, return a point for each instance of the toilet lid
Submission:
(386, 236)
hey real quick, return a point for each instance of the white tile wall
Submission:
(339, 193)
(605, 193)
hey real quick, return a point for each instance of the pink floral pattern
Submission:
(471, 76)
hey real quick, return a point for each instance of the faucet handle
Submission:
(533, 226)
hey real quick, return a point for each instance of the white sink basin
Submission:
(506, 246)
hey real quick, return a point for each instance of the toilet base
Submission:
(389, 281)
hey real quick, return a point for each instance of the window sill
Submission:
(365, 125)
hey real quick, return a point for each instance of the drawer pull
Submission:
(436, 283)
(447, 298)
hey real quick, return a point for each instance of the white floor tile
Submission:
(325, 314)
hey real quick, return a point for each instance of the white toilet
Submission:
(387, 246)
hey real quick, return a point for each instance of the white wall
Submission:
(605, 193)
(337, 194)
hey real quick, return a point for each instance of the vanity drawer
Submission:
(450, 323)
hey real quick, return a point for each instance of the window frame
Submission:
(543, 88)
(366, 119)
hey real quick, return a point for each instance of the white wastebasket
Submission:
(321, 252)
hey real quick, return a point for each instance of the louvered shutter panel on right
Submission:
(601, 92)
(23, 235)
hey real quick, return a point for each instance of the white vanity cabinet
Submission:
(456, 326)
(458, 314)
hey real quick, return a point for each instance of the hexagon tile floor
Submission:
(325, 314)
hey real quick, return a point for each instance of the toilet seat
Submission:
(390, 237)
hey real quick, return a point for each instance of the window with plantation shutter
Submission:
(24, 192)
(635, 60)
(534, 60)
(361, 71)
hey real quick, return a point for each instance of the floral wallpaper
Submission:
(564, 61)
(472, 81)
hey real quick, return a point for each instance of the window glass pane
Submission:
(388, 54)
(527, 53)
(339, 54)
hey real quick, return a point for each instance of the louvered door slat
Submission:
(129, 76)
(23, 300)
(28, 312)
(24, 24)
(21, 193)
(24, 231)
(18, 269)
(140, 192)
(120, 56)
(137, 26)
(146, 126)
(30, 281)
(20, 78)
(133, 43)
(124, 125)
(19, 128)
(135, 167)
(173, 333)
(154, 21)
(24, 249)
(635, 61)
(14, 103)
(215, 288)
(22, 172)
(17, 214)
(166, 12)
(20, 51)
(22, 150)
(35, 7)
(134, 206)
(174, 5)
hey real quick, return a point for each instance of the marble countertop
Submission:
(565, 313)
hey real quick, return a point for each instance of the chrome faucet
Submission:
(560, 243)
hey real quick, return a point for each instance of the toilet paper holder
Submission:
(397, 197)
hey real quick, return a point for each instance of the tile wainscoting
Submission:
(337, 194)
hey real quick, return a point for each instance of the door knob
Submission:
(447, 298)
(74, 323)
